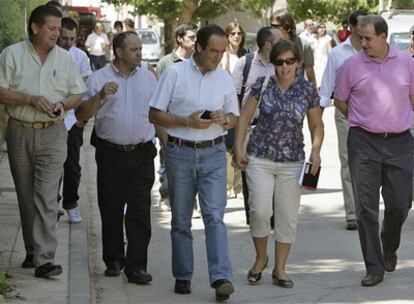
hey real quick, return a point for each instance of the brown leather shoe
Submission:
(372, 280)
(390, 260)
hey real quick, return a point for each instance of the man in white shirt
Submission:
(72, 169)
(336, 58)
(97, 44)
(118, 95)
(196, 154)
(308, 34)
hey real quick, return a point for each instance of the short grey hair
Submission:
(379, 23)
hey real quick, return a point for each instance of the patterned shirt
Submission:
(278, 134)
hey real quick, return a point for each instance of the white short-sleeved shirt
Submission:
(123, 117)
(183, 89)
(82, 62)
(96, 43)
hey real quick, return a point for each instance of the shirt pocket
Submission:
(60, 82)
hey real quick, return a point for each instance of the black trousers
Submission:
(97, 62)
(125, 178)
(72, 169)
(387, 164)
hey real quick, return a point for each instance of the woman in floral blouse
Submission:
(275, 156)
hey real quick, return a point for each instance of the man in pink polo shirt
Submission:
(375, 89)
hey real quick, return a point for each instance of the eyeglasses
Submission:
(288, 61)
(236, 33)
(278, 26)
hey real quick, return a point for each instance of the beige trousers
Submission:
(36, 159)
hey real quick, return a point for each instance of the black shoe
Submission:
(48, 270)
(113, 269)
(138, 276)
(223, 289)
(351, 225)
(28, 261)
(372, 280)
(182, 287)
(390, 260)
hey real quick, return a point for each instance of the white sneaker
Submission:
(74, 215)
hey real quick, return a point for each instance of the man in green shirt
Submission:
(38, 83)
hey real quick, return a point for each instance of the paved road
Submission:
(325, 262)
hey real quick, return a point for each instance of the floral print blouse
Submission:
(278, 134)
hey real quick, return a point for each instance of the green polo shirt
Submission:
(22, 71)
(166, 61)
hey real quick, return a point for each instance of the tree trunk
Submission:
(189, 7)
(169, 26)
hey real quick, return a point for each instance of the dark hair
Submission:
(206, 31)
(69, 23)
(54, 3)
(228, 29)
(282, 47)
(39, 15)
(118, 41)
(263, 35)
(182, 29)
(380, 25)
(353, 18)
(286, 20)
(118, 23)
(129, 22)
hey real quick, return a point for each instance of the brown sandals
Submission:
(282, 282)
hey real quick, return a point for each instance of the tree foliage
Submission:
(12, 20)
(329, 10)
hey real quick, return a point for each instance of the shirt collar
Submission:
(194, 64)
(392, 52)
(118, 72)
(257, 56)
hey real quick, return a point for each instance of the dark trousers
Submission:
(72, 169)
(97, 62)
(387, 163)
(125, 178)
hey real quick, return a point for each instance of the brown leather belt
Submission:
(123, 148)
(36, 125)
(196, 144)
(384, 134)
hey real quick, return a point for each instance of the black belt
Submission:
(384, 134)
(123, 148)
(196, 144)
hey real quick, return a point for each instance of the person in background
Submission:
(129, 24)
(344, 33)
(375, 90)
(275, 156)
(118, 27)
(38, 83)
(72, 168)
(336, 59)
(196, 155)
(236, 38)
(412, 41)
(124, 141)
(322, 45)
(284, 22)
(97, 44)
(185, 37)
(308, 34)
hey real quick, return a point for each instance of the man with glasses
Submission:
(308, 34)
(284, 22)
(335, 60)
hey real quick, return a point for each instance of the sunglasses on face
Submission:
(288, 61)
(278, 26)
(235, 33)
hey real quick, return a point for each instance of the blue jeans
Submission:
(204, 171)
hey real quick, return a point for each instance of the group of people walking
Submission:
(209, 85)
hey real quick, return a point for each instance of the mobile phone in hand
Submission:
(206, 115)
(57, 112)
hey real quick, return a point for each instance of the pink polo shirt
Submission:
(378, 93)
